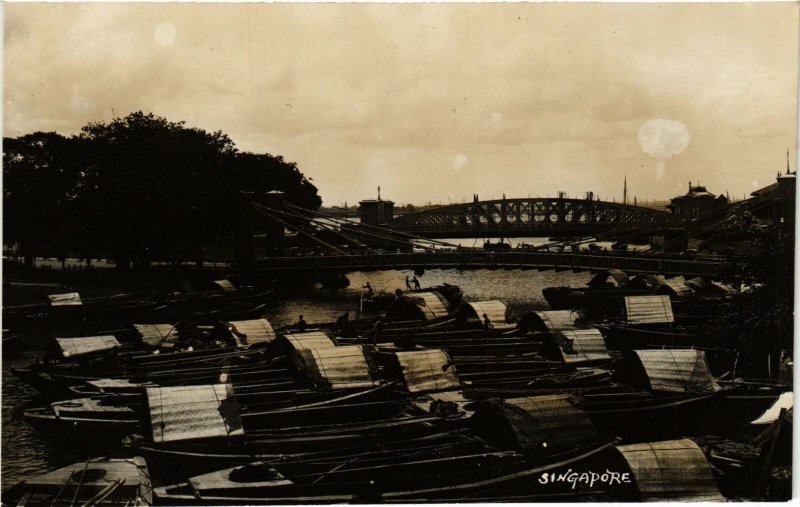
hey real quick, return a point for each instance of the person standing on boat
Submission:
(377, 331)
(408, 283)
(487, 324)
(301, 324)
(416, 283)
(343, 323)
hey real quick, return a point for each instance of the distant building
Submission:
(695, 203)
(781, 196)
(376, 211)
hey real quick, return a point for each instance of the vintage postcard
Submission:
(300, 253)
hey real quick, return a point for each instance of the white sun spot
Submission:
(663, 138)
(496, 117)
(165, 34)
(459, 161)
(755, 183)
(82, 105)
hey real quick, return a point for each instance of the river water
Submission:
(26, 452)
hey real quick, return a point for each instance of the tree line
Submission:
(137, 189)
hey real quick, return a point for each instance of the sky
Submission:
(434, 102)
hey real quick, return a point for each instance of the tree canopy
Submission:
(140, 188)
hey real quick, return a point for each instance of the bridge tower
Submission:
(376, 211)
(274, 237)
(243, 248)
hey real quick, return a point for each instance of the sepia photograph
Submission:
(398, 253)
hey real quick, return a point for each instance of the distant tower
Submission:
(787, 162)
(625, 191)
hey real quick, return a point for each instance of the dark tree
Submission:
(40, 176)
(140, 187)
(262, 173)
(149, 186)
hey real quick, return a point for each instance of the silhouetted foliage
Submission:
(140, 187)
(40, 183)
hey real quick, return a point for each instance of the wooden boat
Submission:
(603, 297)
(423, 478)
(214, 300)
(235, 311)
(598, 302)
(622, 336)
(96, 417)
(184, 367)
(59, 383)
(67, 318)
(637, 415)
(224, 311)
(118, 415)
(755, 456)
(393, 430)
(98, 481)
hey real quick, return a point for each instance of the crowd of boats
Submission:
(614, 394)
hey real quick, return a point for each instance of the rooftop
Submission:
(697, 191)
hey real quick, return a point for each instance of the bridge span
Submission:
(540, 216)
(476, 259)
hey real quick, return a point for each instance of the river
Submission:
(26, 452)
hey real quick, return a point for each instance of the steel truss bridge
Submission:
(527, 217)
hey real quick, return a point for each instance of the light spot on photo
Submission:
(82, 105)
(165, 34)
(459, 161)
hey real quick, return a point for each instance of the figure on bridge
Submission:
(415, 282)
(370, 292)
(408, 283)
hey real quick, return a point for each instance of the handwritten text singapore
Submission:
(608, 478)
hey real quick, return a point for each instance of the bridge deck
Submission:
(652, 264)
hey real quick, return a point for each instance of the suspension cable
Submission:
(377, 228)
(328, 228)
(298, 229)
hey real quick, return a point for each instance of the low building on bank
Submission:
(695, 203)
